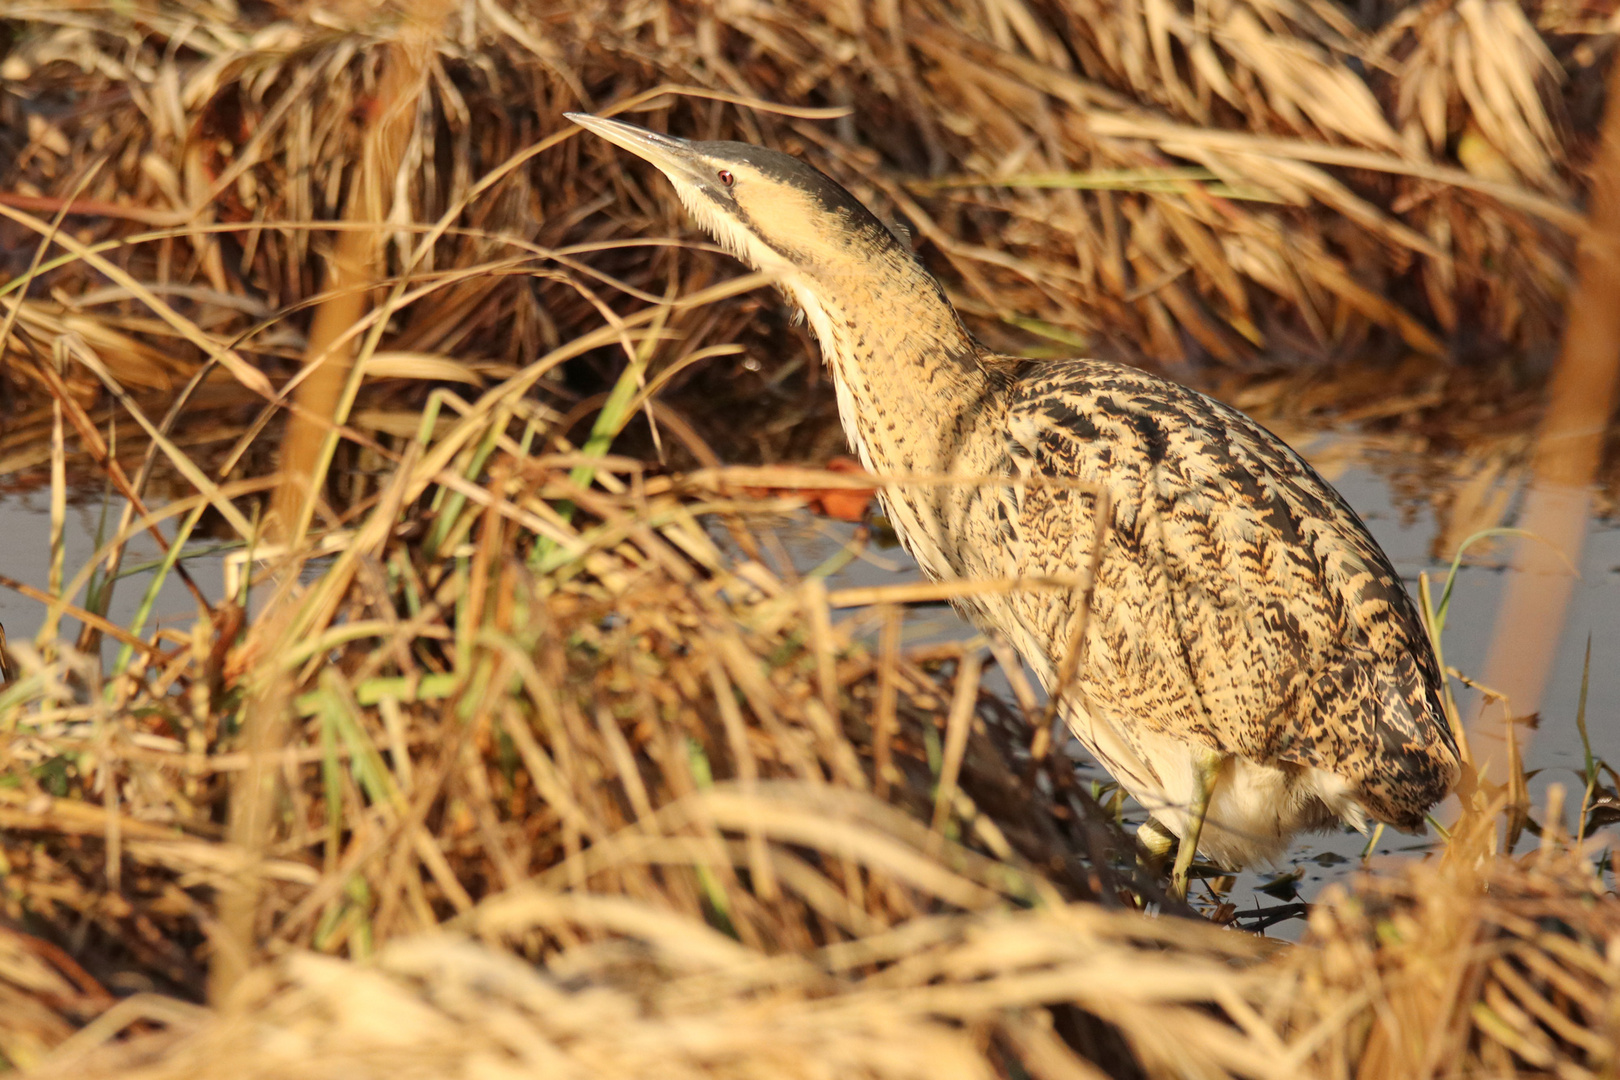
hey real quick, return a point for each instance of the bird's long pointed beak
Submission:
(663, 151)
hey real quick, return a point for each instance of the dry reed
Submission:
(1225, 180)
(1468, 967)
(531, 759)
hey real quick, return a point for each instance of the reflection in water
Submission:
(1569, 446)
(1530, 622)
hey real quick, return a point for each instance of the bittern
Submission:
(1251, 665)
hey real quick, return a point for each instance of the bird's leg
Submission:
(1206, 770)
(1153, 843)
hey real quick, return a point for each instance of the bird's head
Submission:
(771, 210)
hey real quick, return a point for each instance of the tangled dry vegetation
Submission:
(536, 758)
(1232, 181)
(596, 793)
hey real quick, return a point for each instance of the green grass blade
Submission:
(149, 598)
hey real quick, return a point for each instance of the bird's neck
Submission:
(905, 370)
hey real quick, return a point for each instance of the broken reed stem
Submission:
(958, 725)
(53, 614)
(887, 723)
(265, 721)
(352, 267)
(307, 450)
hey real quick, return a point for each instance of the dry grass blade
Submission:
(248, 375)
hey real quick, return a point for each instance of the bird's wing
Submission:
(1240, 604)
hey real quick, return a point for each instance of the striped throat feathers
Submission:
(882, 320)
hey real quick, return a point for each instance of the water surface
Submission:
(1402, 516)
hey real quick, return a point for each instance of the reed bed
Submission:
(503, 752)
(634, 804)
(555, 771)
(1467, 967)
(1420, 973)
(631, 803)
(1231, 182)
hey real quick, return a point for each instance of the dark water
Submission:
(1405, 525)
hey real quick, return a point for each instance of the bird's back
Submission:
(1240, 604)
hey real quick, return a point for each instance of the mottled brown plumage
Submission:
(1247, 636)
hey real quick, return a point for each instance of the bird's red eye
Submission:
(726, 178)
